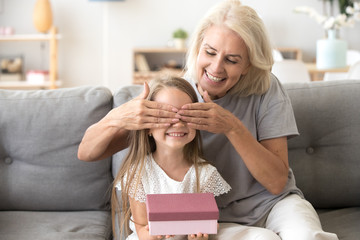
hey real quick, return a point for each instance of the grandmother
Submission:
(245, 118)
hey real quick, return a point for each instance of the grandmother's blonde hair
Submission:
(244, 21)
(140, 146)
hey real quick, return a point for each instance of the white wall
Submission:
(98, 37)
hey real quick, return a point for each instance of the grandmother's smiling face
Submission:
(222, 59)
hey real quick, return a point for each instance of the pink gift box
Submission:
(182, 214)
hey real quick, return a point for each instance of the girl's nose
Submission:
(179, 124)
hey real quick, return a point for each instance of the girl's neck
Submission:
(173, 163)
(170, 158)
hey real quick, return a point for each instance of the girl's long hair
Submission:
(140, 146)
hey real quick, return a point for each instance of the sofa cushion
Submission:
(39, 136)
(325, 157)
(344, 222)
(86, 225)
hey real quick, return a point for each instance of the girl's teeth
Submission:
(215, 79)
(176, 134)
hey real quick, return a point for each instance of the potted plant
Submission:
(180, 36)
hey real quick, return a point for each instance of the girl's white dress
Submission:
(154, 180)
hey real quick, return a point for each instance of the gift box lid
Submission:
(181, 206)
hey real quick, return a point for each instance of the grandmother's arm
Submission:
(110, 134)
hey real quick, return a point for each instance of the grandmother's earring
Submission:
(150, 134)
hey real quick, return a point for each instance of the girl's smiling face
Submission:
(177, 135)
(222, 59)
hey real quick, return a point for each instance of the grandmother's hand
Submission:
(140, 113)
(207, 116)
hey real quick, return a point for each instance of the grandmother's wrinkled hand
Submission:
(207, 116)
(140, 113)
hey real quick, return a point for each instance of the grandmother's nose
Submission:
(217, 65)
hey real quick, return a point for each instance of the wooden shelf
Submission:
(291, 53)
(52, 38)
(141, 77)
(27, 37)
(317, 74)
(160, 50)
(25, 85)
(154, 62)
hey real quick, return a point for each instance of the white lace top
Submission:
(155, 180)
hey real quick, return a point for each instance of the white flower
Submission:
(350, 10)
(350, 22)
(357, 16)
(333, 22)
(357, 6)
(329, 23)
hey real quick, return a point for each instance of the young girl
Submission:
(163, 160)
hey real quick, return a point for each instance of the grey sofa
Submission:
(47, 193)
(325, 157)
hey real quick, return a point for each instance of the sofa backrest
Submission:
(122, 96)
(325, 157)
(39, 136)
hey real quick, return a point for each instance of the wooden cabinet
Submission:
(150, 63)
(52, 37)
(290, 53)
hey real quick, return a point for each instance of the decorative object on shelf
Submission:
(343, 19)
(42, 16)
(179, 37)
(141, 63)
(7, 30)
(11, 68)
(331, 51)
(37, 76)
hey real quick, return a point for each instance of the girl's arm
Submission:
(138, 212)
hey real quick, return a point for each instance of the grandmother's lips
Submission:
(213, 78)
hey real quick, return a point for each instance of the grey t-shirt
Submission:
(266, 116)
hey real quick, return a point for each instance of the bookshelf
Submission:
(153, 62)
(52, 37)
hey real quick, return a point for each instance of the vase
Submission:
(179, 43)
(331, 52)
(42, 16)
